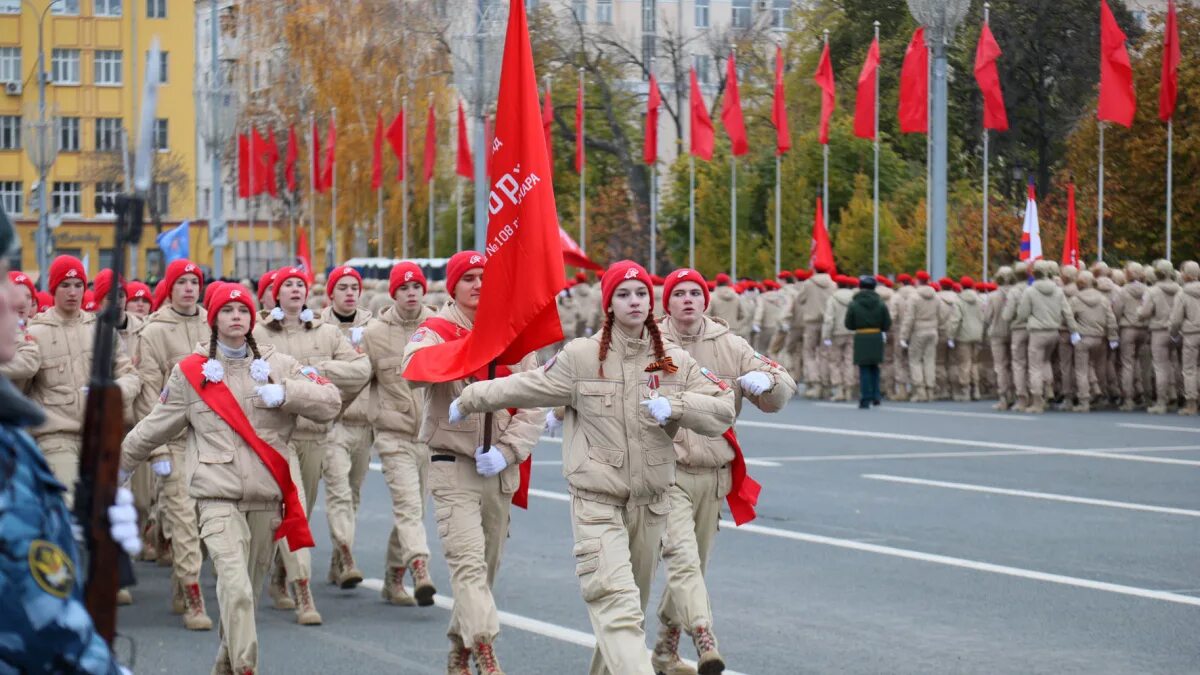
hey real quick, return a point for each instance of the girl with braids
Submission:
(236, 404)
(323, 352)
(627, 394)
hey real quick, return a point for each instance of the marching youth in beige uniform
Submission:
(919, 336)
(240, 499)
(395, 412)
(1185, 322)
(1164, 347)
(1099, 335)
(1135, 337)
(703, 471)
(967, 342)
(1019, 335)
(472, 486)
(322, 350)
(839, 340)
(26, 360)
(1043, 308)
(999, 334)
(626, 396)
(811, 312)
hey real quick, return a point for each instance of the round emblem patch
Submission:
(51, 568)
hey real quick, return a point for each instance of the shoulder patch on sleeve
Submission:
(766, 360)
(164, 394)
(550, 364)
(713, 378)
(51, 568)
(418, 336)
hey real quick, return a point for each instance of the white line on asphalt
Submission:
(1159, 427)
(936, 558)
(1150, 448)
(761, 462)
(938, 440)
(934, 411)
(527, 624)
(897, 455)
(1033, 495)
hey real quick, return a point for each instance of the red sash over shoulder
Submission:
(220, 400)
(449, 332)
(743, 496)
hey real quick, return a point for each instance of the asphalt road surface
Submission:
(914, 538)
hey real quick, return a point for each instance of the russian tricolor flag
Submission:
(1031, 237)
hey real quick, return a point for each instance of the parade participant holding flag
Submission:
(324, 353)
(236, 404)
(626, 394)
(708, 469)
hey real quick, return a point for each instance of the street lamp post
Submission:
(940, 18)
(46, 150)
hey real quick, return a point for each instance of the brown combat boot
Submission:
(708, 661)
(1001, 404)
(1021, 405)
(1189, 409)
(1159, 408)
(422, 583)
(459, 662)
(306, 610)
(195, 617)
(393, 591)
(277, 588)
(1037, 406)
(149, 542)
(166, 557)
(178, 601)
(900, 395)
(349, 576)
(335, 567)
(485, 658)
(665, 658)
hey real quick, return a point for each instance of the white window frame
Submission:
(64, 66)
(107, 8)
(702, 17)
(781, 10)
(162, 135)
(108, 129)
(10, 128)
(65, 8)
(742, 14)
(649, 16)
(68, 127)
(160, 193)
(10, 64)
(604, 12)
(12, 197)
(163, 62)
(704, 68)
(108, 67)
(156, 9)
(68, 194)
(579, 9)
(107, 190)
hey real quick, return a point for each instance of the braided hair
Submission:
(605, 339)
(662, 361)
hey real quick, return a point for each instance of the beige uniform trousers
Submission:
(945, 372)
(144, 492)
(842, 372)
(472, 514)
(1112, 362)
(62, 454)
(922, 350)
(966, 362)
(692, 528)
(405, 468)
(344, 470)
(616, 553)
(296, 564)
(1020, 362)
(240, 544)
(1066, 367)
(1002, 364)
(1041, 345)
(1191, 370)
(177, 510)
(1134, 343)
(816, 367)
(1090, 355)
(794, 347)
(1165, 353)
(900, 370)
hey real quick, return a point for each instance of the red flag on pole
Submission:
(731, 110)
(986, 52)
(580, 155)
(316, 160)
(270, 175)
(650, 144)
(573, 255)
(430, 142)
(783, 135)
(821, 252)
(466, 167)
(509, 325)
(914, 86)
(330, 153)
(243, 165)
(1169, 86)
(395, 137)
(293, 155)
(864, 101)
(303, 255)
(377, 153)
(260, 154)
(824, 79)
(1070, 254)
(548, 126)
(701, 127)
(1117, 101)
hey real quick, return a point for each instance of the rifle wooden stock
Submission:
(104, 427)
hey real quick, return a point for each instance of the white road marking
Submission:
(761, 462)
(897, 455)
(1159, 427)
(934, 411)
(938, 440)
(527, 624)
(1033, 495)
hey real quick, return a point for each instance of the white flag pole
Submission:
(404, 181)
(1100, 197)
(875, 205)
(987, 9)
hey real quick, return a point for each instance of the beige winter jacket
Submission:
(1093, 314)
(65, 367)
(568, 313)
(729, 357)
(921, 313)
(745, 324)
(589, 310)
(1185, 313)
(1127, 303)
(1156, 306)
(1013, 302)
(949, 315)
(773, 308)
(218, 464)
(898, 305)
(393, 404)
(614, 452)
(834, 323)
(24, 364)
(1044, 307)
(513, 435)
(324, 348)
(128, 338)
(997, 326)
(970, 313)
(357, 411)
(812, 302)
(165, 338)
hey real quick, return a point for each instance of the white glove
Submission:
(456, 414)
(785, 327)
(356, 335)
(122, 521)
(491, 462)
(755, 328)
(884, 336)
(828, 342)
(123, 476)
(161, 467)
(125, 671)
(1076, 338)
(904, 344)
(553, 424)
(587, 332)
(659, 408)
(272, 395)
(755, 382)
(1113, 344)
(950, 343)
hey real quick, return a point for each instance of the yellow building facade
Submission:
(96, 56)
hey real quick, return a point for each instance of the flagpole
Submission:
(733, 217)
(251, 199)
(270, 233)
(333, 238)
(825, 157)
(582, 172)
(1100, 198)
(379, 192)
(429, 187)
(312, 187)
(928, 165)
(1170, 180)
(987, 10)
(654, 198)
(691, 209)
(875, 205)
(404, 181)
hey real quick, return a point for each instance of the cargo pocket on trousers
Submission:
(212, 527)
(442, 516)
(587, 568)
